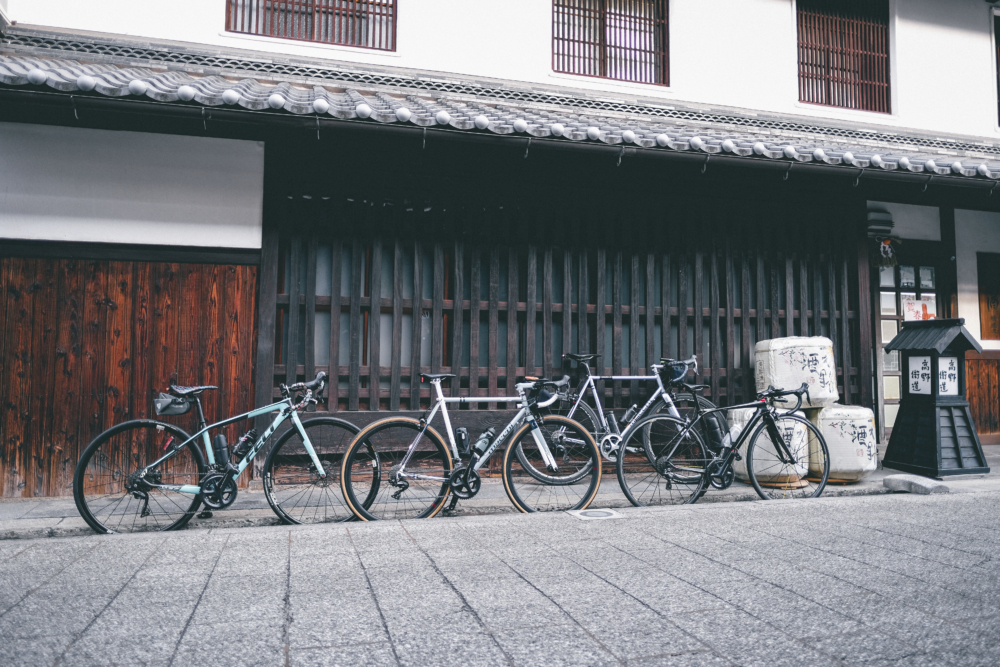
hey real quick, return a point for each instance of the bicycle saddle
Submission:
(435, 376)
(581, 357)
(189, 391)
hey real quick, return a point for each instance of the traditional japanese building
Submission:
(242, 193)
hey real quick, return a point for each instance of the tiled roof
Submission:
(430, 108)
(933, 335)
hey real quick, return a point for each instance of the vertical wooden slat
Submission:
(397, 325)
(730, 351)
(682, 307)
(634, 326)
(650, 319)
(493, 331)
(309, 352)
(789, 294)
(416, 330)
(531, 296)
(699, 310)
(761, 290)
(142, 342)
(375, 327)
(336, 260)
(600, 345)
(457, 317)
(357, 282)
(290, 354)
(746, 363)
(666, 343)
(567, 312)
(583, 292)
(616, 326)
(547, 314)
(845, 337)
(864, 324)
(776, 263)
(17, 406)
(803, 293)
(475, 287)
(512, 323)
(39, 416)
(118, 363)
(68, 387)
(437, 310)
(266, 314)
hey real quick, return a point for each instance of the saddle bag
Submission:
(167, 405)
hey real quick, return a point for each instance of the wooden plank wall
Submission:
(87, 344)
(703, 281)
(982, 383)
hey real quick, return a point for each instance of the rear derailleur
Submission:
(138, 484)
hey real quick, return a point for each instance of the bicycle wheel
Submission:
(684, 403)
(109, 494)
(291, 483)
(370, 479)
(532, 487)
(805, 476)
(665, 465)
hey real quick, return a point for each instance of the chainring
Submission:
(721, 480)
(610, 444)
(218, 491)
(465, 483)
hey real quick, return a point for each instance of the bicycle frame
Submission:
(590, 384)
(285, 410)
(441, 404)
(763, 414)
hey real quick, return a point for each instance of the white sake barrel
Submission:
(785, 363)
(849, 432)
(766, 465)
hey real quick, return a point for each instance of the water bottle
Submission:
(714, 435)
(221, 449)
(730, 438)
(244, 444)
(483, 443)
(627, 417)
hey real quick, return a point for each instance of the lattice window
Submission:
(365, 23)
(613, 39)
(844, 54)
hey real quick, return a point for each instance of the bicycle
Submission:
(402, 467)
(607, 429)
(147, 475)
(786, 457)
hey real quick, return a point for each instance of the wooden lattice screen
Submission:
(844, 53)
(615, 39)
(490, 309)
(365, 23)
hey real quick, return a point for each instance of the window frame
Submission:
(888, 98)
(232, 7)
(663, 54)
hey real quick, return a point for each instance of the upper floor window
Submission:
(366, 23)
(614, 39)
(844, 53)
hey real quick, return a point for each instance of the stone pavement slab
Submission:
(875, 580)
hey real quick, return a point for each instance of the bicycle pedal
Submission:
(207, 514)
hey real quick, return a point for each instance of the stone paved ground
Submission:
(881, 580)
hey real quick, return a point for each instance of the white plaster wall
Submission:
(975, 231)
(738, 53)
(919, 223)
(72, 184)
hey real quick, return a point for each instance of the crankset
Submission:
(610, 445)
(218, 491)
(465, 482)
(719, 477)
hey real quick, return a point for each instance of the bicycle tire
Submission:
(104, 470)
(291, 484)
(529, 491)
(379, 447)
(773, 479)
(660, 472)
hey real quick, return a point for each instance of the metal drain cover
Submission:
(592, 515)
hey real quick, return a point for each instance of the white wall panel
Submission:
(975, 232)
(72, 184)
